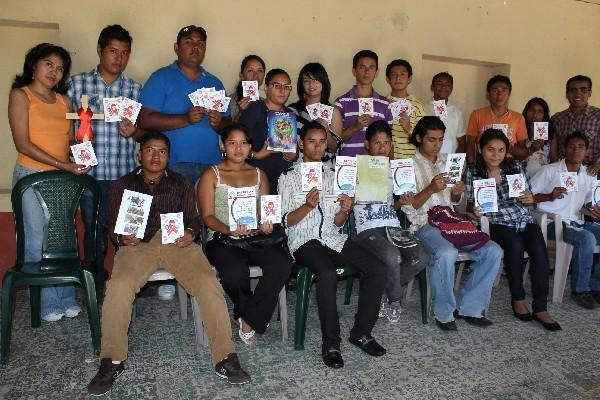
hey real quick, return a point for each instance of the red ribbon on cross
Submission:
(85, 133)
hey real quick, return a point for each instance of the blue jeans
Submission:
(476, 292)
(54, 298)
(86, 214)
(192, 171)
(585, 265)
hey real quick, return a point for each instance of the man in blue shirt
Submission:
(114, 142)
(168, 109)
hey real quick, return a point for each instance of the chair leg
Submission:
(349, 286)
(303, 282)
(199, 331)
(183, 296)
(7, 316)
(408, 291)
(283, 317)
(35, 304)
(461, 267)
(561, 271)
(91, 303)
(423, 291)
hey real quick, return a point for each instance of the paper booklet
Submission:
(345, 175)
(440, 109)
(171, 226)
(372, 179)
(250, 89)
(503, 128)
(83, 154)
(516, 185)
(403, 175)
(454, 165)
(282, 132)
(485, 195)
(270, 209)
(210, 98)
(312, 175)
(596, 194)
(400, 237)
(133, 214)
(313, 110)
(568, 180)
(111, 108)
(129, 109)
(540, 130)
(365, 106)
(242, 207)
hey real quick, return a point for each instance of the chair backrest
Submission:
(59, 193)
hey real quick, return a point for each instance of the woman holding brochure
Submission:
(513, 227)
(541, 151)
(225, 248)
(36, 112)
(278, 87)
(252, 69)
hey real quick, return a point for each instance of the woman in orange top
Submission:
(41, 133)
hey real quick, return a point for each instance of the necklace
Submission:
(153, 181)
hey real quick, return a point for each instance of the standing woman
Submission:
(252, 310)
(314, 87)
(252, 69)
(513, 228)
(278, 88)
(540, 151)
(41, 133)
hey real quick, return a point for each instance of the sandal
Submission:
(249, 338)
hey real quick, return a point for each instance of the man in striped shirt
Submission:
(347, 122)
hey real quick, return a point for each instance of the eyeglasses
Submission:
(281, 86)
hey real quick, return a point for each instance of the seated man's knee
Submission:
(447, 254)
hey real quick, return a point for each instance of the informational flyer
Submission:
(516, 185)
(345, 175)
(250, 89)
(171, 225)
(503, 128)
(403, 175)
(129, 109)
(313, 110)
(596, 194)
(242, 207)
(270, 209)
(540, 131)
(111, 109)
(83, 154)
(326, 113)
(372, 179)
(133, 214)
(440, 109)
(454, 167)
(282, 132)
(485, 195)
(568, 180)
(365, 106)
(312, 175)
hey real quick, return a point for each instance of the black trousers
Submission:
(323, 261)
(233, 264)
(515, 243)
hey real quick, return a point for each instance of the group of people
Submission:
(189, 157)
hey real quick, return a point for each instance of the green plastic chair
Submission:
(59, 193)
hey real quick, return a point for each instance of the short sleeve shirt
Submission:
(484, 118)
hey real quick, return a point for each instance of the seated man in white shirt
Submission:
(455, 141)
(583, 235)
(433, 190)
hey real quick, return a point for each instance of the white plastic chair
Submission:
(164, 275)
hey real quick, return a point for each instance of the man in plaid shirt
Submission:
(580, 116)
(114, 142)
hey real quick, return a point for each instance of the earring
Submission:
(251, 156)
(223, 154)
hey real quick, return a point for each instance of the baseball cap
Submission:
(188, 30)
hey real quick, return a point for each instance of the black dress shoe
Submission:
(549, 326)
(446, 326)
(523, 317)
(368, 344)
(481, 322)
(332, 357)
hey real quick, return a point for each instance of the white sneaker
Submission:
(53, 316)
(72, 311)
(382, 308)
(166, 292)
(393, 313)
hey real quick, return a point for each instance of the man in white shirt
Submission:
(442, 84)
(583, 235)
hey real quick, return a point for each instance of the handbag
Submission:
(257, 242)
(457, 228)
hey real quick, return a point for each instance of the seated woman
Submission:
(36, 112)
(252, 69)
(278, 88)
(252, 310)
(513, 227)
(314, 87)
(433, 190)
(536, 110)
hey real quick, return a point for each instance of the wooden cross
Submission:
(85, 116)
